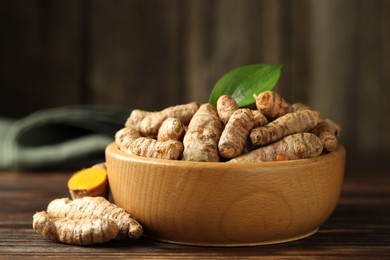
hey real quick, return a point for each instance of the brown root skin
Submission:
(226, 105)
(201, 129)
(292, 147)
(82, 232)
(291, 123)
(148, 147)
(232, 141)
(135, 118)
(201, 139)
(150, 125)
(124, 137)
(96, 207)
(299, 106)
(327, 130)
(259, 118)
(43, 225)
(272, 105)
(171, 129)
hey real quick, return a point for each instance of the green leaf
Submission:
(242, 82)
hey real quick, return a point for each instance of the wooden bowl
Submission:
(226, 204)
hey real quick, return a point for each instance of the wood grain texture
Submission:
(222, 204)
(359, 228)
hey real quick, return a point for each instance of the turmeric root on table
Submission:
(236, 131)
(202, 136)
(272, 105)
(96, 207)
(327, 130)
(226, 105)
(151, 123)
(291, 147)
(291, 123)
(81, 232)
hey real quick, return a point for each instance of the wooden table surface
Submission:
(358, 229)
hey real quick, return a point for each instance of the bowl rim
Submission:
(113, 149)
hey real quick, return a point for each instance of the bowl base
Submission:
(235, 244)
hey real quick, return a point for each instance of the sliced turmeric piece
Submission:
(91, 182)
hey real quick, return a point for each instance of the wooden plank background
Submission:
(152, 54)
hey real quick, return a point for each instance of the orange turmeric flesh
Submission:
(88, 182)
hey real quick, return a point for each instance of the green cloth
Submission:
(59, 138)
